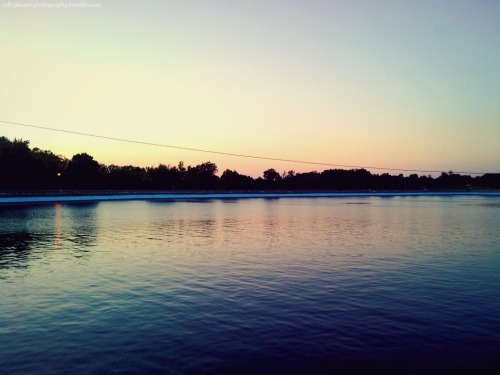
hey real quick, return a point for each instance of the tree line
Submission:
(22, 167)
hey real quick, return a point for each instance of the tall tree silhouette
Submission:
(272, 178)
(202, 176)
(83, 172)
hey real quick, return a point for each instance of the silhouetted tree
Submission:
(83, 172)
(305, 181)
(272, 178)
(488, 180)
(18, 167)
(164, 177)
(452, 180)
(51, 168)
(234, 180)
(25, 168)
(126, 177)
(202, 176)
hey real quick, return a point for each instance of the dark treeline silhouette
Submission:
(24, 168)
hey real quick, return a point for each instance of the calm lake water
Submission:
(291, 285)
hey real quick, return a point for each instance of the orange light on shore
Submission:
(58, 174)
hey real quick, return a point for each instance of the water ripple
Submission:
(260, 286)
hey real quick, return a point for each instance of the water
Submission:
(315, 285)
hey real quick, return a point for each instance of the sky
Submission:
(389, 84)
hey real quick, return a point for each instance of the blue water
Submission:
(405, 285)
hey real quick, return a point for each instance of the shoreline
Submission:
(100, 196)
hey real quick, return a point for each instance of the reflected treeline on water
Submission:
(15, 249)
(28, 234)
(16, 240)
(80, 226)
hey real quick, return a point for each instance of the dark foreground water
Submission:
(326, 285)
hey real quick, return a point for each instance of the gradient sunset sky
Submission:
(400, 84)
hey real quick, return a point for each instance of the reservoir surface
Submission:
(312, 285)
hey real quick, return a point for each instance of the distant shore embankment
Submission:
(27, 197)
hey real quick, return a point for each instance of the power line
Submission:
(229, 153)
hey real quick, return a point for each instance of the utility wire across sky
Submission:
(229, 153)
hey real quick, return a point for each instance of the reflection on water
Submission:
(29, 233)
(402, 285)
(18, 237)
(15, 249)
(80, 226)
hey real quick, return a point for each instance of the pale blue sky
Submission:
(403, 84)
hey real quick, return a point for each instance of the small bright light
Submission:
(58, 174)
